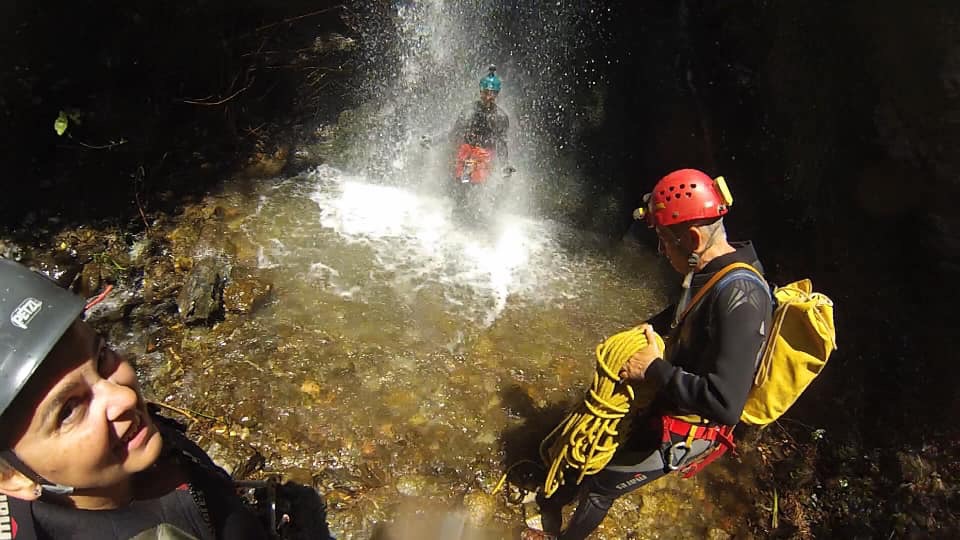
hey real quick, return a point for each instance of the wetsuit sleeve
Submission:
(740, 315)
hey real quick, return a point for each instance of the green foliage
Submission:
(105, 259)
(61, 123)
(64, 119)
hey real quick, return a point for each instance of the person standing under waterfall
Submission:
(480, 138)
(707, 370)
(484, 124)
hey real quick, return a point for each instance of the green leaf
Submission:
(61, 123)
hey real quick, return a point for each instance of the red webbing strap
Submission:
(677, 426)
(724, 438)
(721, 435)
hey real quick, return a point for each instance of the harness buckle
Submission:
(673, 463)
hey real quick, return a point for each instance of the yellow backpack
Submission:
(798, 345)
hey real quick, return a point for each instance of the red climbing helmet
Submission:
(685, 195)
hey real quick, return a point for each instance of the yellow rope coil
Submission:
(588, 437)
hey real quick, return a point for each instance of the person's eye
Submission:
(71, 411)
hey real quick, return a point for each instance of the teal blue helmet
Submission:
(491, 81)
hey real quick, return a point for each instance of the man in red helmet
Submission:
(714, 343)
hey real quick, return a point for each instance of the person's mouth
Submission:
(136, 433)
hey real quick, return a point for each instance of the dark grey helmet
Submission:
(34, 313)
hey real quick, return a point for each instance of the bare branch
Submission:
(222, 101)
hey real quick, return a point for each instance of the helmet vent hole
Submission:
(676, 195)
(693, 186)
(672, 188)
(689, 195)
(683, 186)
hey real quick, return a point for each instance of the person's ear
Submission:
(696, 238)
(13, 483)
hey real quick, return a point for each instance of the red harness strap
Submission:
(721, 436)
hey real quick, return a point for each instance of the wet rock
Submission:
(201, 297)
(311, 388)
(90, 278)
(264, 165)
(158, 280)
(202, 294)
(238, 459)
(139, 250)
(718, 534)
(299, 475)
(244, 293)
(220, 456)
(9, 250)
(61, 267)
(114, 307)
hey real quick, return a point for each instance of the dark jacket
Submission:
(205, 508)
(484, 127)
(711, 357)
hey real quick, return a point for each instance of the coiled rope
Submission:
(587, 439)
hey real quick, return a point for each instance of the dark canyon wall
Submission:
(160, 98)
(837, 127)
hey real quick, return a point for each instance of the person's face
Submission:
(488, 97)
(670, 246)
(91, 428)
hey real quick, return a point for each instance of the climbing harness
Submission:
(675, 454)
(587, 439)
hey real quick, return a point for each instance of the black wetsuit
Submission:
(206, 508)
(712, 357)
(485, 127)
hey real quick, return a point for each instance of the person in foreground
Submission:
(704, 375)
(81, 456)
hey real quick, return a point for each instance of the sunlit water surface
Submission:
(404, 357)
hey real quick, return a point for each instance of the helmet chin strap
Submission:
(693, 262)
(45, 485)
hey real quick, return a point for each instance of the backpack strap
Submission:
(714, 280)
(750, 275)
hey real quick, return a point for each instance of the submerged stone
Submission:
(245, 293)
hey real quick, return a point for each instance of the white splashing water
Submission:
(416, 238)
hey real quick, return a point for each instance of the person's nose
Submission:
(119, 398)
